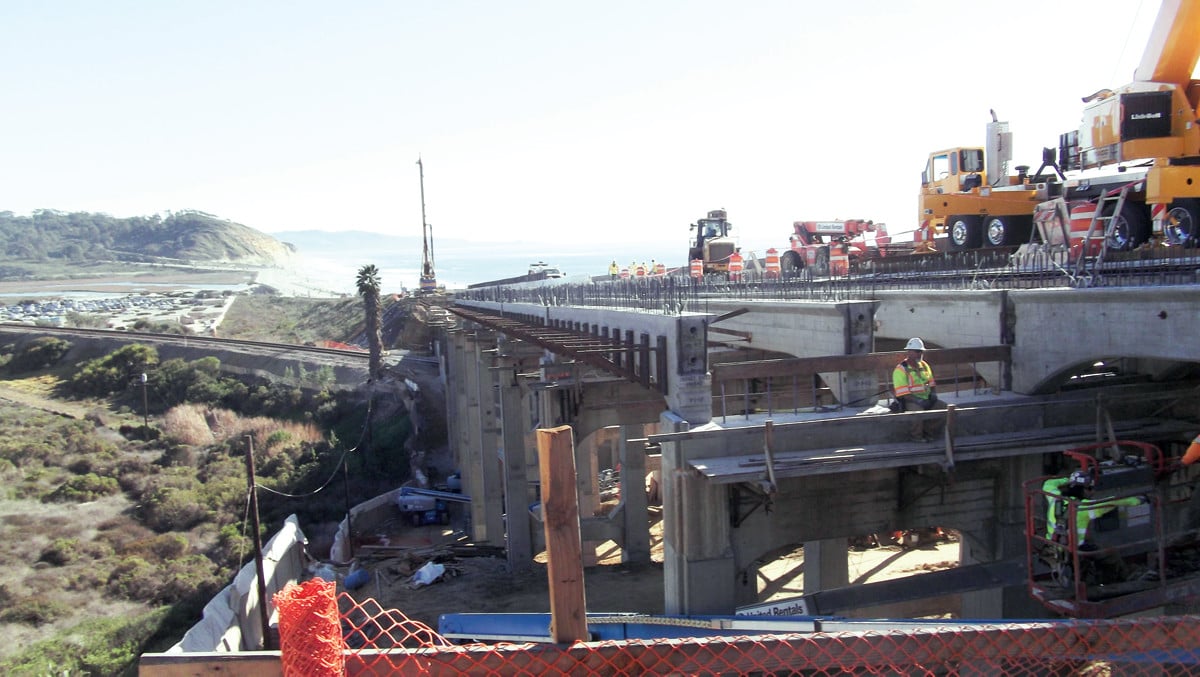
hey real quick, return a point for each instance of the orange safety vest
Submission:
(917, 382)
(1193, 452)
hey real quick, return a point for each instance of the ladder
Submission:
(1087, 266)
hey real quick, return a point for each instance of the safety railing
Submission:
(977, 270)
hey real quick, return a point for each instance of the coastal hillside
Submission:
(49, 236)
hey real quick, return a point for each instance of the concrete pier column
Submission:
(516, 484)
(825, 565)
(469, 433)
(461, 394)
(689, 385)
(450, 366)
(860, 389)
(491, 466)
(1004, 541)
(699, 569)
(634, 513)
(587, 471)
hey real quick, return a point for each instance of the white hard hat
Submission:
(915, 344)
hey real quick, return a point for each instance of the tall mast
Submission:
(428, 278)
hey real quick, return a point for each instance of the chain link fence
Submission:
(385, 642)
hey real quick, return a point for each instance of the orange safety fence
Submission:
(310, 636)
(386, 642)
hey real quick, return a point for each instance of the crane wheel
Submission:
(965, 232)
(1005, 231)
(1129, 229)
(790, 264)
(1183, 223)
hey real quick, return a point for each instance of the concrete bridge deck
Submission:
(652, 376)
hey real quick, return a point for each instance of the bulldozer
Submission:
(712, 243)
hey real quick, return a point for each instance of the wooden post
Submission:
(264, 616)
(560, 516)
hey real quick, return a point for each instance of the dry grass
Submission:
(42, 385)
(199, 425)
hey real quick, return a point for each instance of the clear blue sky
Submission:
(569, 122)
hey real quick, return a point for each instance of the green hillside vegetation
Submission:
(302, 321)
(49, 240)
(114, 535)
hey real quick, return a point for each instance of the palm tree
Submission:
(368, 289)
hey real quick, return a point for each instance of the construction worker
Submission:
(1078, 487)
(614, 271)
(915, 389)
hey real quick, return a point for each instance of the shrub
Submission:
(104, 646)
(119, 532)
(159, 548)
(187, 424)
(83, 488)
(177, 455)
(86, 579)
(114, 373)
(61, 552)
(172, 509)
(131, 473)
(140, 432)
(79, 437)
(133, 578)
(39, 353)
(136, 579)
(81, 466)
(186, 577)
(33, 610)
(232, 547)
(226, 497)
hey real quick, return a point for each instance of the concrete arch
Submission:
(1122, 368)
(1056, 329)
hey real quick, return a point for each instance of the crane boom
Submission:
(1172, 49)
(428, 282)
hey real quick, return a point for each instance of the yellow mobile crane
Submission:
(1131, 172)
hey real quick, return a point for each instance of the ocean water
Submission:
(458, 267)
